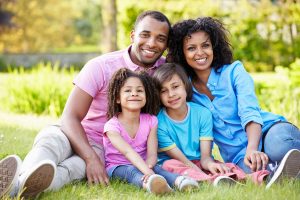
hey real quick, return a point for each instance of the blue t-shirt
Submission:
(185, 134)
(233, 107)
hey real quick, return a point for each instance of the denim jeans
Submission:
(278, 140)
(133, 175)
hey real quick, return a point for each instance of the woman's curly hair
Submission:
(117, 82)
(222, 51)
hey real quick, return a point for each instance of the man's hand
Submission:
(95, 172)
(256, 160)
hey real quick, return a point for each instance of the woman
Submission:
(244, 133)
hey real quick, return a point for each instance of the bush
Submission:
(281, 94)
(42, 90)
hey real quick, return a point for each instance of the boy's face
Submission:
(149, 41)
(173, 94)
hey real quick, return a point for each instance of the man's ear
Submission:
(132, 34)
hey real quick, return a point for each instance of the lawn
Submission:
(16, 137)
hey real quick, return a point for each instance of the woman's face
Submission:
(198, 51)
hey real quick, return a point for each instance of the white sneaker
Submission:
(38, 179)
(9, 173)
(186, 183)
(157, 184)
(225, 180)
(289, 167)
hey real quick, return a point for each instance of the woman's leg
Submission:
(279, 139)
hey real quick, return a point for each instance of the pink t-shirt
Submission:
(113, 157)
(94, 79)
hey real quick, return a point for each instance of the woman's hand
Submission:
(256, 160)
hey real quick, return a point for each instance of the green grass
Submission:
(17, 133)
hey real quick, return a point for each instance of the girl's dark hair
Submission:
(166, 71)
(222, 51)
(117, 82)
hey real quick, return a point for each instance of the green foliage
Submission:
(43, 89)
(280, 93)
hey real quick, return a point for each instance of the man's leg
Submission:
(74, 168)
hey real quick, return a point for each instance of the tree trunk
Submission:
(109, 32)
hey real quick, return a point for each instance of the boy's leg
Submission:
(177, 167)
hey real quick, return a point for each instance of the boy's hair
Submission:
(117, 82)
(165, 73)
(222, 53)
(155, 15)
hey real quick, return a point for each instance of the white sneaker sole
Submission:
(289, 167)
(225, 180)
(38, 180)
(9, 173)
(158, 185)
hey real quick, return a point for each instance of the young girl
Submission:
(185, 131)
(245, 135)
(130, 139)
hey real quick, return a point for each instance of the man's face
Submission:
(149, 41)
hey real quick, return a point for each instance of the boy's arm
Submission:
(206, 159)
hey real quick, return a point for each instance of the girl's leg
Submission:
(170, 177)
(279, 139)
(130, 174)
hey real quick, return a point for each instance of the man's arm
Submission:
(75, 110)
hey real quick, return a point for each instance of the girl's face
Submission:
(132, 95)
(173, 93)
(198, 51)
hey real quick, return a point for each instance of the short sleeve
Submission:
(206, 128)
(112, 125)
(165, 142)
(91, 77)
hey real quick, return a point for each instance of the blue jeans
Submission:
(278, 140)
(133, 175)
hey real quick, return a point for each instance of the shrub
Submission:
(42, 90)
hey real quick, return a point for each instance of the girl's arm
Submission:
(121, 145)
(177, 154)
(254, 158)
(152, 148)
(207, 162)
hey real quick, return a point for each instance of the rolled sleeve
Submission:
(248, 107)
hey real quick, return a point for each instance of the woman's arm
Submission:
(206, 159)
(152, 148)
(254, 158)
(122, 146)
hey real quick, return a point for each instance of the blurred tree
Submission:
(40, 26)
(5, 16)
(109, 31)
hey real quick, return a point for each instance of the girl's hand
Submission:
(218, 168)
(256, 160)
(146, 177)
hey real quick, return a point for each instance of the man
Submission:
(74, 150)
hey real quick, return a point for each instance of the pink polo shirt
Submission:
(94, 79)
